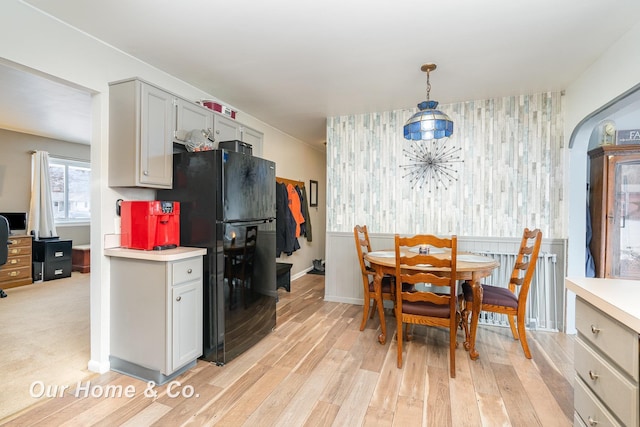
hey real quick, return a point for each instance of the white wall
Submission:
(38, 42)
(587, 99)
(511, 178)
(15, 174)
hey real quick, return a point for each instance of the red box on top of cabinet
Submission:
(219, 108)
(150, 225)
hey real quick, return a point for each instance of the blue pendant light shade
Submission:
(428, 123)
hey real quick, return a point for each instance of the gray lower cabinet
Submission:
(156, 317)
(607, 370)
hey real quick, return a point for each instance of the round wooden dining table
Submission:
(470, 268)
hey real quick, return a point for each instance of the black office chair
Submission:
(4, 245)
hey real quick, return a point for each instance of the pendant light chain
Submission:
(428, 85)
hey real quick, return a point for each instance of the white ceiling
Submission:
(35, 103)
(292, 63)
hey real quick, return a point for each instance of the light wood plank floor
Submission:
(317, 369)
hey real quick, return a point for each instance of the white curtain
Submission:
(41, 221)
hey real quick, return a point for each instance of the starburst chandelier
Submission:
(432, 164)
(431, 154)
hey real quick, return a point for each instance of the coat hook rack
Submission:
(290, 181)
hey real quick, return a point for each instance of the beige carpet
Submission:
(44, 337)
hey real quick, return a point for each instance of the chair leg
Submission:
(408, 332)
(523, 336)
(512, 325)
(365, 314)
(465, 325)
(453, 329)
(399, 338)
(458, 325)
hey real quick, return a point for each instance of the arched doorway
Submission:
(620, 111)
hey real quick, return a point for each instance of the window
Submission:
(70, 190)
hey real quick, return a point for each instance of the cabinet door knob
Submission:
(178, 298)
(592, 422)
(189, 271)
(593, 376)
(145, 173)
(594, 330)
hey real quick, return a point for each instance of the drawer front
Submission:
(187, 270)
(19, 250)
(613, 389)
(609, 336)
(589, 409)
(56, 269)
(52, 250)
(19, 241)
(8, 274)
(19, 261)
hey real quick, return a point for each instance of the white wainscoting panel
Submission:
(343, 281)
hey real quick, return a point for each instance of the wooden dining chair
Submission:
(512, 299)
(363, 246)
(424, 307)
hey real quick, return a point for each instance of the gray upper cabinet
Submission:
(190, 116)
(227, 129)
(141, 131)
(253, 137)
(145, 120)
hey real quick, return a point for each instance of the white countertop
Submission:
(176, 254)
(616, 297)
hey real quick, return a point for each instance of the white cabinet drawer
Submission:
(589, 408)
(187, 270)
(613, 389)
(609, 336)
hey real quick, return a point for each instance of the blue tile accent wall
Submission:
(511, 177)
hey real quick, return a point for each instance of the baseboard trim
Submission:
(346, 300)
(301, 273)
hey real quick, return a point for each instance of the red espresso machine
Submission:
(150, 225)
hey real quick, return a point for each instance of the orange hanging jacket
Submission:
(295, 207)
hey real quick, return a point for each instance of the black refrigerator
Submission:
(228, 206)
